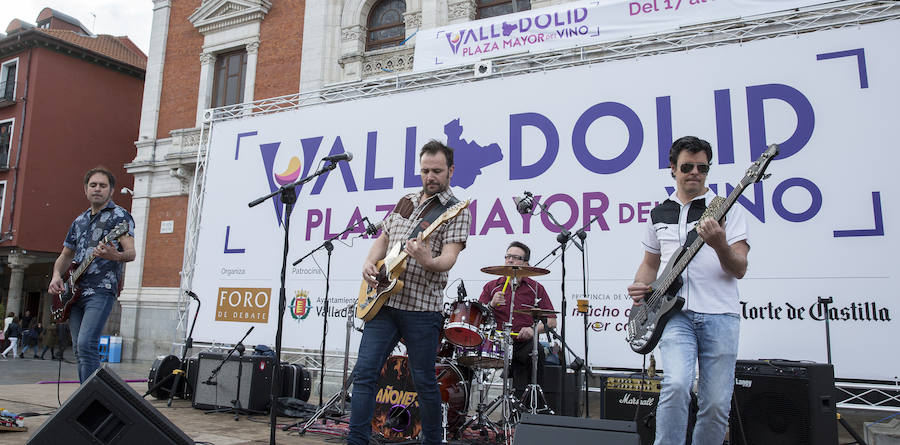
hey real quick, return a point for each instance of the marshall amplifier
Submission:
(218, 392)
(632, 397)
(783, 402)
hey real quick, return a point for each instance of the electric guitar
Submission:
(371, 299)
(647, 320)
(62, 303)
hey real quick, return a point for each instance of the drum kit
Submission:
(472, 348)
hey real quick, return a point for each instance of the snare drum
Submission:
(466, 322)
(487, 355)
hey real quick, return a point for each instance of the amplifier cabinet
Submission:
(632, 397)
(218, 392)
(783, 402)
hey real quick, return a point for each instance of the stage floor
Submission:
(21, 393)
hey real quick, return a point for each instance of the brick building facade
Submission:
(69, 101)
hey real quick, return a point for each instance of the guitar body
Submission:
(62, 303)
(371, 299)
(647, 320)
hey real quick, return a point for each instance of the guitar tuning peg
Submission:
(766, 176)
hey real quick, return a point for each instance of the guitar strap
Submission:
(433, 210)
(698, 206)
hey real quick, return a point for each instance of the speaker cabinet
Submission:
(574, 385)
(783, 402)
(537, 429)
(105, 410)
(218, 392)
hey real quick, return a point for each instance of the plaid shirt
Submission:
(423, 290)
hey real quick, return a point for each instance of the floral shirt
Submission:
(86, 231)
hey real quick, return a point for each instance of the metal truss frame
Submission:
(738, 30)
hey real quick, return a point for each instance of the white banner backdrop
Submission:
(588, 141)
(575, 24)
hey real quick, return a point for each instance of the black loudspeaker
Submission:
(783, 402)
(537, 429)
(256, 382)
(105, 410)
(574, 384)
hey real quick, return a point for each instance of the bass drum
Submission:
(162, 368)
(397, 409)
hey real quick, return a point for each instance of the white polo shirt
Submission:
(707, 287)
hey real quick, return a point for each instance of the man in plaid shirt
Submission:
(413, 313)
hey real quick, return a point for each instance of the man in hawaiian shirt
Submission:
(99, 285)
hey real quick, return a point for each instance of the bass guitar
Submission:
(62, 303)
(371, 299)
(647, 319)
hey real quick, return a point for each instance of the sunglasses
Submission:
(515, 257)
(688, 167)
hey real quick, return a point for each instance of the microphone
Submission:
(524, 204)
(192, 295)
(461, 291)
(345, 156)
(371, 230)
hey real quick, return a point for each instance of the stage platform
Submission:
(20, 392)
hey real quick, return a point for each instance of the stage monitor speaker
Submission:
(105, 410)
(574, 386)
(783, 402)
(256, 381)
(538, 429)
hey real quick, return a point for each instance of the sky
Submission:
(132, 18)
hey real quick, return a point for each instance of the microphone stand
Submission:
(563, 239)
(582, 235)
(288, 197)
(329, 246)
(236, 403)
(178, 374)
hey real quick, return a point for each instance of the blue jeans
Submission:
(688, 338)
(86, 320)
(420, 331)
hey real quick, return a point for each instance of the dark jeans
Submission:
(521, 366)
(420, 331)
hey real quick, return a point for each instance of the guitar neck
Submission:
(698, 243)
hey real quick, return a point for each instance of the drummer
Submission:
(497, 294)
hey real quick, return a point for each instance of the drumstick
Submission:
(504, 285)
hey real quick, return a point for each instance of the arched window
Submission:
(385, 28)
(493, 8)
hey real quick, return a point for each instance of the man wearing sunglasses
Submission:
(706, 330)
(497, 295)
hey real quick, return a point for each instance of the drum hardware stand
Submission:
(825, 301)
(342, 395)
(236, 403)
(480, 418)
(534, 395)
(506, 400)
(178, 374)
(584, 308)
(288, 196)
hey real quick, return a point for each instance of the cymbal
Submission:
(518, 271)
(535, 311)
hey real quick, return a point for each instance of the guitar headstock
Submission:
(757, 170)
(117, 231)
